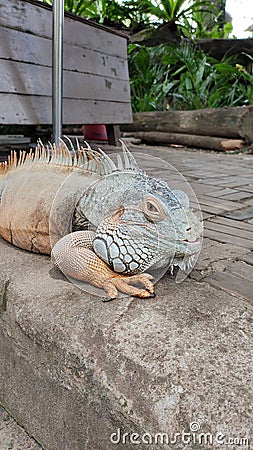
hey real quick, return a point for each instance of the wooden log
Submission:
(190, 140)
(218, 48)
(221, 122)
(167, 34)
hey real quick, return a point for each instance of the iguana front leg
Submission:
(74, 256)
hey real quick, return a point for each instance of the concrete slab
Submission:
(74, 371)
(77, 374)
(12, 436)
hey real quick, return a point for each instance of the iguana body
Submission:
(138, 222)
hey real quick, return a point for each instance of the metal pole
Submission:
(57, 67)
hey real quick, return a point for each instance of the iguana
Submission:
(107, 222)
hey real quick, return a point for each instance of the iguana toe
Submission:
(126, 284)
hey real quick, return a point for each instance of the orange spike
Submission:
(15, 160)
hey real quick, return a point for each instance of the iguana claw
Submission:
(124, 284)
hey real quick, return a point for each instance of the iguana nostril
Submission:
(188, 229)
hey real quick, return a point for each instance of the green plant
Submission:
(80, 7)
(209, 24)
(146, 77)
(109, 11)
(169, 10)
(177, 13)
(95, 9)
(187, 15)
(183, 77)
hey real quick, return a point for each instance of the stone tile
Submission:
(231, 223)
(213, 251)
(207, 215)
(242, 270)
(241, 214)
(236, 181)
(249, 201)
(216, 257)
(248, 258)
(12, 436)
(232, 284)
(220, 192)
(229, 229)
(218, 181)
(247, 188)
(220, 203)
(224, 237)
(238, 195)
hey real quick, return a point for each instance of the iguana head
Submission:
(147, 225)
(140, 222)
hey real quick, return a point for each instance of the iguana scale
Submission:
(107, 222)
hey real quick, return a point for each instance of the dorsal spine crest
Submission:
(94, 161)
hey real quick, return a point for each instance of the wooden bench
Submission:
(95, 76)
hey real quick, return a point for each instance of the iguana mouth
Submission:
(191, 248)
(191, 242)
(184, 263)
(194, 244)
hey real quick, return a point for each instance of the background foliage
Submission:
(183, 77)
(193, 17)
(169, 76)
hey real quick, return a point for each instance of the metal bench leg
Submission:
(113, 133)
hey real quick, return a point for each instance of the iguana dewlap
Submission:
(54, 199)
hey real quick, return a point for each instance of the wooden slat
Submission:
(96, 81)
(29, 79)
(25, 109)
(20, 46)
(24, 16)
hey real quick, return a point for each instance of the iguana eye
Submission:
(152, 209)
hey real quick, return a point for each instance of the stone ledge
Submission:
(74, 370)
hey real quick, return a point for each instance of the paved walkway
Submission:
(223, 184)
